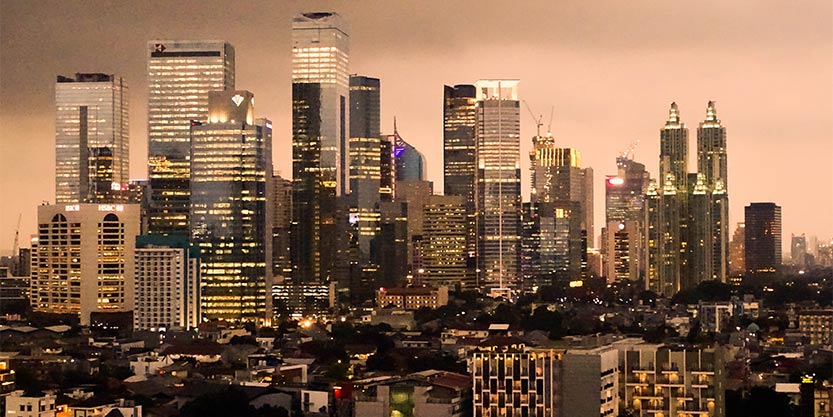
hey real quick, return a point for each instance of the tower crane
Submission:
(538, 120)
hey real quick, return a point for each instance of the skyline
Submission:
(635, 108)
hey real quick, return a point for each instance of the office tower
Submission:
(515, 380)
(530, 258)
(391, 246)
(667, 210)
(409, 162)
(444, 242)
(798, 249)
(700, 239)
(459, 141)
(712, 163)
(91, 137)
(737, 265)
(166, 284)
(82, 259)
(460, 156)
(230, 219)
(180, 75)
(387, 165)
(320, 147)
(416, 193)
(365, 160)
(622, 243)
(499, 184)
(762, 251)
(665, 380)
(559, 183)
(281, 224)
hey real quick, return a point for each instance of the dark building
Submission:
(230, 169)
(365, 161)
(281, 224)
(762, 239)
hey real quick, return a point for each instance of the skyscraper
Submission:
(563, 193)
(673, 150)
(444, 242)
(498, 184)
(180, 75)
(737, 251)
(320, 147)
(365, 160)
(762, 239)
(91, 137)
(460, 156)
(410, 163)
(622, 245)
(798, 249)
(281, 225)
(230, 223)
(713, 164)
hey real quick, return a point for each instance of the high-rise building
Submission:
(365, 160)
(798, 249)
(180, 75)
(512, 379)
(91, 138)
(736, 251)
(564, 192)
(762, 251)
(444, 242)
(387, 165)
(460, 156)
(713, 164)
(416, 193)
(410, 163)
(622, 243)
(82, 260)
(671, 381)
(166, 284)
(230, 219)
(281, 224)
(320, 143)
(498, 184)
(667, 210)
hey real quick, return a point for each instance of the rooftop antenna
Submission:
(537, 119)
(629, 151)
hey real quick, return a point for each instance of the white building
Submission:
(84, 259)
(166, 284)
(18, 405)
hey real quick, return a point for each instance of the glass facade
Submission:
(320, 147)
(365, 160)
(91, 119)
(762, 237)
(230, 164)
(499, 183)
(180, 75)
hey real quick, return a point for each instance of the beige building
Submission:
(84, 259)
(660, 380)
(511, 379)
(19, 405)
(412, 298)
(816, 326)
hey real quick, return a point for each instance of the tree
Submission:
(230, 402)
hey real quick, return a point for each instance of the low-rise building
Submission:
(428, 393)
(20, 405)
(412, 298)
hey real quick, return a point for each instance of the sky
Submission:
(610, 69)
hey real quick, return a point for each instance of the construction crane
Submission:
(628, 152)
(538, 120)
(549, 125)
(16, 245)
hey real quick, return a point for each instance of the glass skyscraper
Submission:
(91, 137)
(365, 155)
(409, 162)
(499, 184)
(762, 249)
(320, 147)
(180, 75)
(230, 164)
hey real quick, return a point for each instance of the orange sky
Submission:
(610, 68)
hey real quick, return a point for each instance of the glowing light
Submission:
(237, 99)
(72, 207)
(576, 284)
(615, 181)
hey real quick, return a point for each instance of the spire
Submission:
(711, 115)
(395, 133)
(673, 117)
